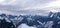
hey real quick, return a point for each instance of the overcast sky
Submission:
(40, 7)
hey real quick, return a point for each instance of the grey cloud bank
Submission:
(25, 7)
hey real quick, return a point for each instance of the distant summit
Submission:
(54, 15)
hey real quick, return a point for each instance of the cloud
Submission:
(8, 2)
(54, 3)
(53, 6)
(1, 1)
(25, 6)
(38, 4)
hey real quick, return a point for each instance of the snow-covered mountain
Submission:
(38, 20)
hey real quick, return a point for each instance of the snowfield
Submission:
(25, 26)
